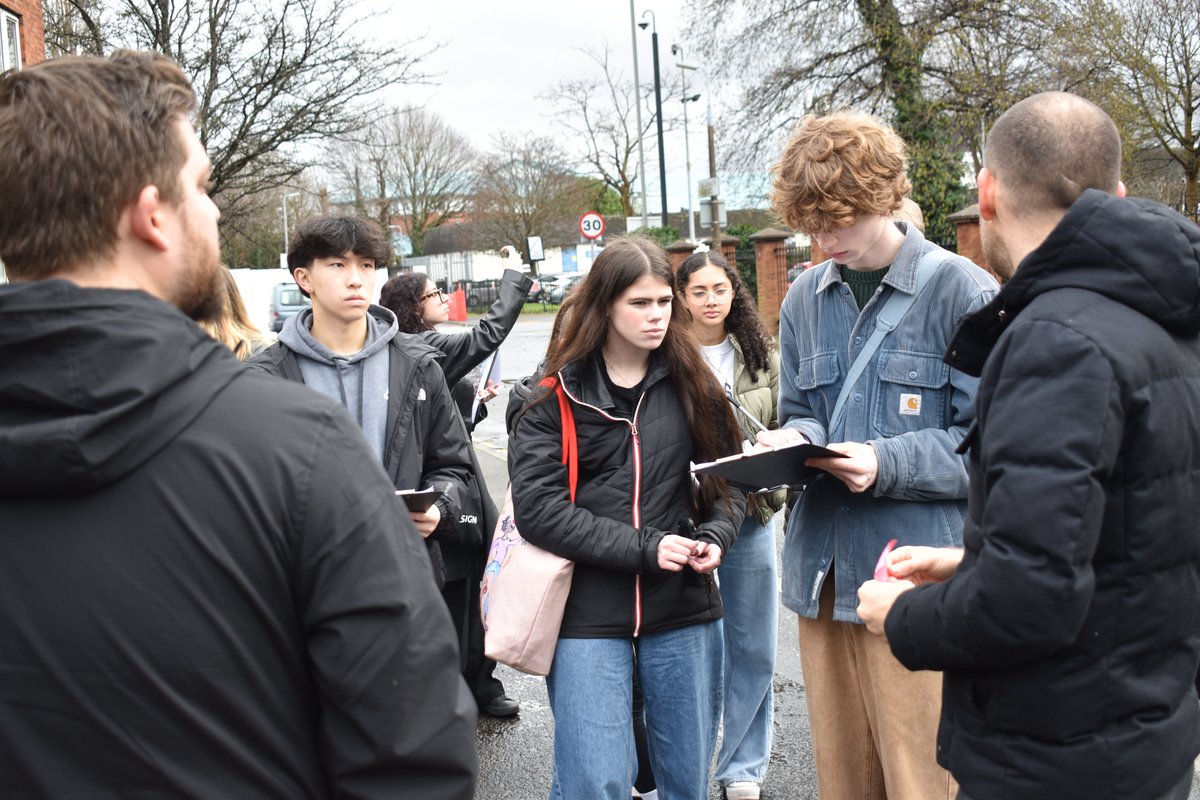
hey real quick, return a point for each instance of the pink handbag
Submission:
(524, 588)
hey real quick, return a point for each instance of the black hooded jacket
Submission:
(634, 487)
(425, 444)
(1070, 635)
(208, 586)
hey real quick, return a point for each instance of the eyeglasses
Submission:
(721, 295)
(437, 292)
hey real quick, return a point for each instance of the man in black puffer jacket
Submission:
(1070, 632)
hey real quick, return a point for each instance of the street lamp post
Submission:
(637, 97)
(712, 171)
(662, 158)
(676, 50)
(285, 218)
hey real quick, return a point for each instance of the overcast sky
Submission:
(493, 61)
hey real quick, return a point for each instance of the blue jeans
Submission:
(749, 591)
(590, 686)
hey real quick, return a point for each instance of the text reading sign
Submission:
(591, 225)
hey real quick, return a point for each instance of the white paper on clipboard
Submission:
(489, 372)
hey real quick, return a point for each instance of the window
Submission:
(10, 41)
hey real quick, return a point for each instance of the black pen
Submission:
(742, 408)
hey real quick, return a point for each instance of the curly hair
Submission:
(838, 168)
(402, 295)
(743, 321)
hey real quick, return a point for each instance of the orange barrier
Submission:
(458, 306)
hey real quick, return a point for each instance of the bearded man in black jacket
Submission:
(1069, 627)
(208, 586)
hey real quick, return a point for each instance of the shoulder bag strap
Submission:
(893, 311)
(570, 446)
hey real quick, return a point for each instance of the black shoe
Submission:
(502, 706)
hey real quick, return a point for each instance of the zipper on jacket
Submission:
(637, 511)
(637, 485)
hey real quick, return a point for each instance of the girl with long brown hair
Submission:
(644, 538)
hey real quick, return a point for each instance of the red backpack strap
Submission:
(570, 445)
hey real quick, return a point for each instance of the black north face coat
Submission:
(1070, 635)
(634, 487)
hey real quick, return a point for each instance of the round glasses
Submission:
(442, 295)
(722, 295)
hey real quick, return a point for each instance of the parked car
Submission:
(795, 270)
(563, 288)
(286, 302)
(480, 294)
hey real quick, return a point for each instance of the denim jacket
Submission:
(908, 404)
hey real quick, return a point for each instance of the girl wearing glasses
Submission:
(644, 406)
(419, 306)
(740, 353)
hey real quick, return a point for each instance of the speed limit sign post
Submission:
(591, 225)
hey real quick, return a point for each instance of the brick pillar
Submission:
(770, 263)
(728, 246)
(966, 229)
(678, 251)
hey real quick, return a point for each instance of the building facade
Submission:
(22, 38)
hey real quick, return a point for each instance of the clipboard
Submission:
(419, 501)
(768, 469)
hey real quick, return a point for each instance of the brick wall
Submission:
(33, 41)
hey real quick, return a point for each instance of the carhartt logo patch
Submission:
(910, 405)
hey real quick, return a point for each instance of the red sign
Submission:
(591, 225)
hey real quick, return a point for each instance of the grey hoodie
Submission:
(359, 381)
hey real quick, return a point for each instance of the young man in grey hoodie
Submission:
(350, 350)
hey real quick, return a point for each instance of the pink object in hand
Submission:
(882, 573)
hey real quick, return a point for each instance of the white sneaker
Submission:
(741, 790)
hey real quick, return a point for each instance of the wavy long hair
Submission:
(402, 296)
(743, 321)
(233, 327)
(585, 330)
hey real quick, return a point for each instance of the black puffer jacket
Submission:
(462, 352)
(208, 587)
(426, 445)
(1071, 633)
(634, 487)
(459, 354)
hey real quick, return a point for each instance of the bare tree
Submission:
(361, 172)
(1153, 48)
(410, 166)
(794, 57)
(73, 27)
(269, 77)
(602, 112)
(433, 170)
(526, 187)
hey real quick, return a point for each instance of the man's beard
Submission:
(995, 252)
(201, 289)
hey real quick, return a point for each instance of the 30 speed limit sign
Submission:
(591, 225)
